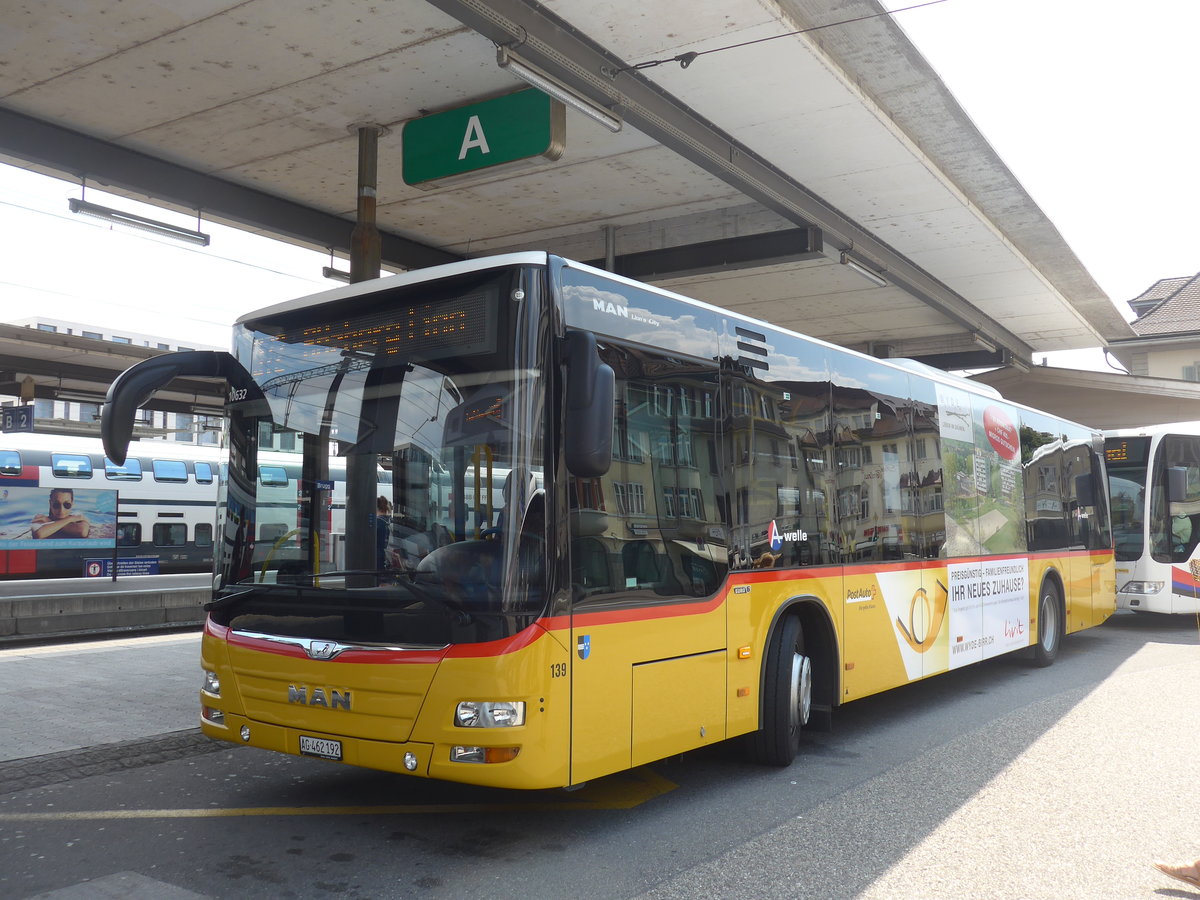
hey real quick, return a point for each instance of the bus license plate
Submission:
(322, 747)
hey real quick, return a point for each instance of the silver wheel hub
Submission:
(1048, 625)
(801, 693)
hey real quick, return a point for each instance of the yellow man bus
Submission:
(544, 523)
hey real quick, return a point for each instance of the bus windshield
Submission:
(1127, 490)
(387, 486)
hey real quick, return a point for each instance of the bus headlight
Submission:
(489, 714)
(212, 683)
(1142, 587)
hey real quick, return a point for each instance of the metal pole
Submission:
(364, 239)
(360, 467)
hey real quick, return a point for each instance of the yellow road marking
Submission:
(617, 792)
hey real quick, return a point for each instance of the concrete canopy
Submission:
(1105, 400)
(839, 139)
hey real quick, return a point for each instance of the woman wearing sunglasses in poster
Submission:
(61, 522)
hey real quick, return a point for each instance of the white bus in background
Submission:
(1154, 485)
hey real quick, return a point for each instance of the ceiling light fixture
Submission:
(336, 274)
(141, 223)
(870, 274)
(1015, 362)
(981, 341)
(560, 92)
(78, 396)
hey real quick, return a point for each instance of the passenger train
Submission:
(67, 511)
(158, 513)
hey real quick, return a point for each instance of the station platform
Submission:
(70, 607)
(89, 707)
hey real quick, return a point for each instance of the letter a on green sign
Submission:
(514, 127)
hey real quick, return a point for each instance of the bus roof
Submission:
(415, 276)
(543, 258)
(1153, 430)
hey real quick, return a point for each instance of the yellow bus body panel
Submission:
(607, 690)
(388, 717)
(602, 675)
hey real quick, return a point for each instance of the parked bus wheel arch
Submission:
(798, 683)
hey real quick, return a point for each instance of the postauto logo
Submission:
(775, 537)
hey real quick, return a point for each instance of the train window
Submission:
(271, 532)
(273, 476)
(170, 470)
(131, 471)
(204, 535)
(129, 534)
(10, 462)
(71, 465)
(170, 534)
(204, 473)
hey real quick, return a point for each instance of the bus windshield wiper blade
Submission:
(231, 599)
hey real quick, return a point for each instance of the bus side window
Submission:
(589, 566)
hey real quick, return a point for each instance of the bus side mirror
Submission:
(1177, 484)
(587, 431)
(137, 384)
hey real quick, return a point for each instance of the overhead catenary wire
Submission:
(686, 59)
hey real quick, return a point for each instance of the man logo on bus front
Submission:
(584, 645)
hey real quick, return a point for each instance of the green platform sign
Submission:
(519, 126)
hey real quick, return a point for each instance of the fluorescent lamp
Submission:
(870, 274)
(78, 396)
(141, 223)
(335, 274)
(552, 88)
(981, 341)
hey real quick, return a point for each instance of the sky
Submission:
(81, 269)
(1089, 103)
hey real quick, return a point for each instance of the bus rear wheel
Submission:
(1049, 625)
(787, 697)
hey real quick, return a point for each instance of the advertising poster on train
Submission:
(42, 518)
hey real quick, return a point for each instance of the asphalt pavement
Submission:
(1080, 812)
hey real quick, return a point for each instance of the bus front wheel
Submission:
(787, 696)
(1050, 625)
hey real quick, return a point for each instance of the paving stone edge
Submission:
(68, 765)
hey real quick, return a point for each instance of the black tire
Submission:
(1050, 625)
(786, 697)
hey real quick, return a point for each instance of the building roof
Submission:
(1169, 306)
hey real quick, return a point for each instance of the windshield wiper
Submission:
(237, 596)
